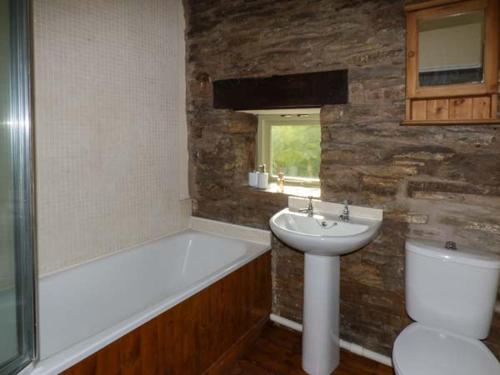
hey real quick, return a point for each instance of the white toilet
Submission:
(451, 295)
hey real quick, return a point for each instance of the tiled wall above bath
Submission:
(110, 126)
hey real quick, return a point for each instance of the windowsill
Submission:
(296, 181)
(297, 191)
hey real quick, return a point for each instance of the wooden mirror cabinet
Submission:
(452, 57)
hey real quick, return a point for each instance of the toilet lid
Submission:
(421, 350)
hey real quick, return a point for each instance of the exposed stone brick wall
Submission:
(432, 182)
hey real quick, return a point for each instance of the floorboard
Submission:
(277, 351)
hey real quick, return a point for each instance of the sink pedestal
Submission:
(320, 337)
(323, 235)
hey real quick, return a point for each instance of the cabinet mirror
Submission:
(452, 62)
(451, 49)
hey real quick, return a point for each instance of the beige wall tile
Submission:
(110, 126)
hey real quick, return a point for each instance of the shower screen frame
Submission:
(22, 148)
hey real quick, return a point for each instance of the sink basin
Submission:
(322, 234)
(323, 238)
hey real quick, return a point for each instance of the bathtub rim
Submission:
(196, 224)
(70, 356)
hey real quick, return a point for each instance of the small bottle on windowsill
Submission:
(281, 181)
(263, 177)
(253, 178)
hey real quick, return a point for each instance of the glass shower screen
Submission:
(17, 343)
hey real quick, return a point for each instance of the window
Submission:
(291, 144)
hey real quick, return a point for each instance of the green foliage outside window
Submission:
(296, 150)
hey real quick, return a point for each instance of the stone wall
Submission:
(432, 182)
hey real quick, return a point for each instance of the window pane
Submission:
(295, 150)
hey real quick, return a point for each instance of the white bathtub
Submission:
(83, 309)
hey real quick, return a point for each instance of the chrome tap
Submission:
(345, 213)
(309, 210)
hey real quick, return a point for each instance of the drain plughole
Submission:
(324, 224)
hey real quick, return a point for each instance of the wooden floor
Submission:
(277, 352)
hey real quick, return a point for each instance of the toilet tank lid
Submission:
(462, 255)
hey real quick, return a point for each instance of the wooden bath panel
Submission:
(202, 334)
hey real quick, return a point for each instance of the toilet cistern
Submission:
(451, 292)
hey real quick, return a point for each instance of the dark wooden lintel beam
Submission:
(306, 90)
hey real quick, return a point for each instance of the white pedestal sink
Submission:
(323, 238)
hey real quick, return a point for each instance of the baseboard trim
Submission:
(346, 345)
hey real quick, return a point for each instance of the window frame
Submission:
(264, 141)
